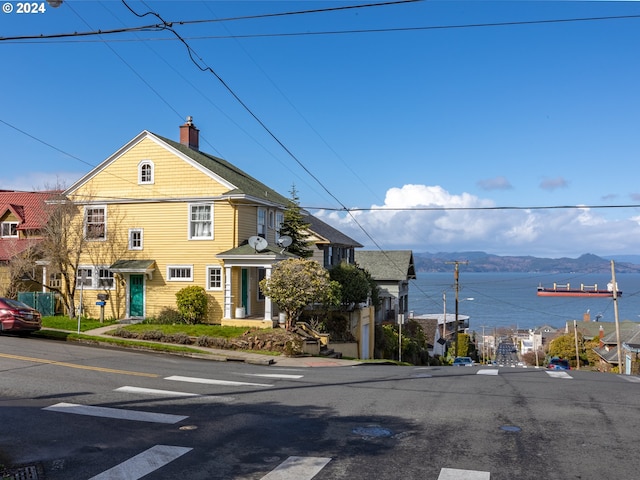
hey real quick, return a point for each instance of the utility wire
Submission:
(449, 209)
(205, 68)
(161, 27)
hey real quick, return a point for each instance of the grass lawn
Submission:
(61, 322)
(71, 324)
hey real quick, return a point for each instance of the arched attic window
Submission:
(145, 172)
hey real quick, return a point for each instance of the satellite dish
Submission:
(258, 243)
(284, 241)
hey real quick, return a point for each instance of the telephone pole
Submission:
(456, 276)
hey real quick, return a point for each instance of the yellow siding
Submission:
(161, 210)
(172, 177)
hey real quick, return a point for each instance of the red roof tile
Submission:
(29, 207)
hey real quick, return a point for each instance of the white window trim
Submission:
(217, 267)
(262, 233)
(132, 230)
(141, 165)
(208, 237)
(94, 279)
(95, 207)
(98, 277)
(179, 279)
(279, 222)
(9, 223)
(90, 279)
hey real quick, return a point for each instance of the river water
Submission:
(509, 299)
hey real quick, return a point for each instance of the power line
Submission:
(163, 27)
(448, 209)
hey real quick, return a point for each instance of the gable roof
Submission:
(27, 207)
(244, 183)
(390, 265)
(241, 185)
(329, 234)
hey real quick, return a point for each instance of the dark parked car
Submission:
(559, 364)
(18, 317)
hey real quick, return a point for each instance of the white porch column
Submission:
(44, 279)
(268, 306)
(227, 292)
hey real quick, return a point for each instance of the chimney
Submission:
(189, 134)
(601, 336)
(586, 317)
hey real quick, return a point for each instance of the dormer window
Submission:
(145, 172)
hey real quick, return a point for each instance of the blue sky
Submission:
(385, 110)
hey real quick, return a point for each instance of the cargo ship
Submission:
(565, 290)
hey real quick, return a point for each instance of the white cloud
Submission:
(430, 219)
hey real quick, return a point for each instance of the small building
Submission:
(391, 270)
(330, 246)
(23, 216)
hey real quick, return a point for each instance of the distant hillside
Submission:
(484, 262)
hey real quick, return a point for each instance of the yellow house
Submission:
(160, 215)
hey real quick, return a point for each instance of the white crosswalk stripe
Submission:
(143, 464)
(298, 468)
(488, 371)
(169, 393)
(455, 474)
(631, 379)
(210, 381)
(153, 391)
(559, 374)
(284, 376)
(117, 413)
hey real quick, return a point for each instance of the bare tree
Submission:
(69, 240)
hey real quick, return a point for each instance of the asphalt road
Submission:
(79, 412)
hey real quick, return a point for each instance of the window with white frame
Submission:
(95, 278)
(105, 278)
(271, 220)
(55, 280)
(135, 239)
(201, 221)
(279, 222)
(84, 278)
(214, 278)
(95, 223)
(9, 229)
(180, 273)
(145, 172)
(262, 222)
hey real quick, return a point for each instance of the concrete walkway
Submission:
(221, 355)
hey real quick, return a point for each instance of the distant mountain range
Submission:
(485, 262)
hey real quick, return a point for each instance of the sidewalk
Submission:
(221, 355)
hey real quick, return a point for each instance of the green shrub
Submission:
(192, 304)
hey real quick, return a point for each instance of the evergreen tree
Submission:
(295, 227)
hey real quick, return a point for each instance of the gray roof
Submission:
(390, 265)
(271, 251)
(629, 333)
(324, 230)
(245, 183)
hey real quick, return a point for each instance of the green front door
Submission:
(244, 298)
(136, 296)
